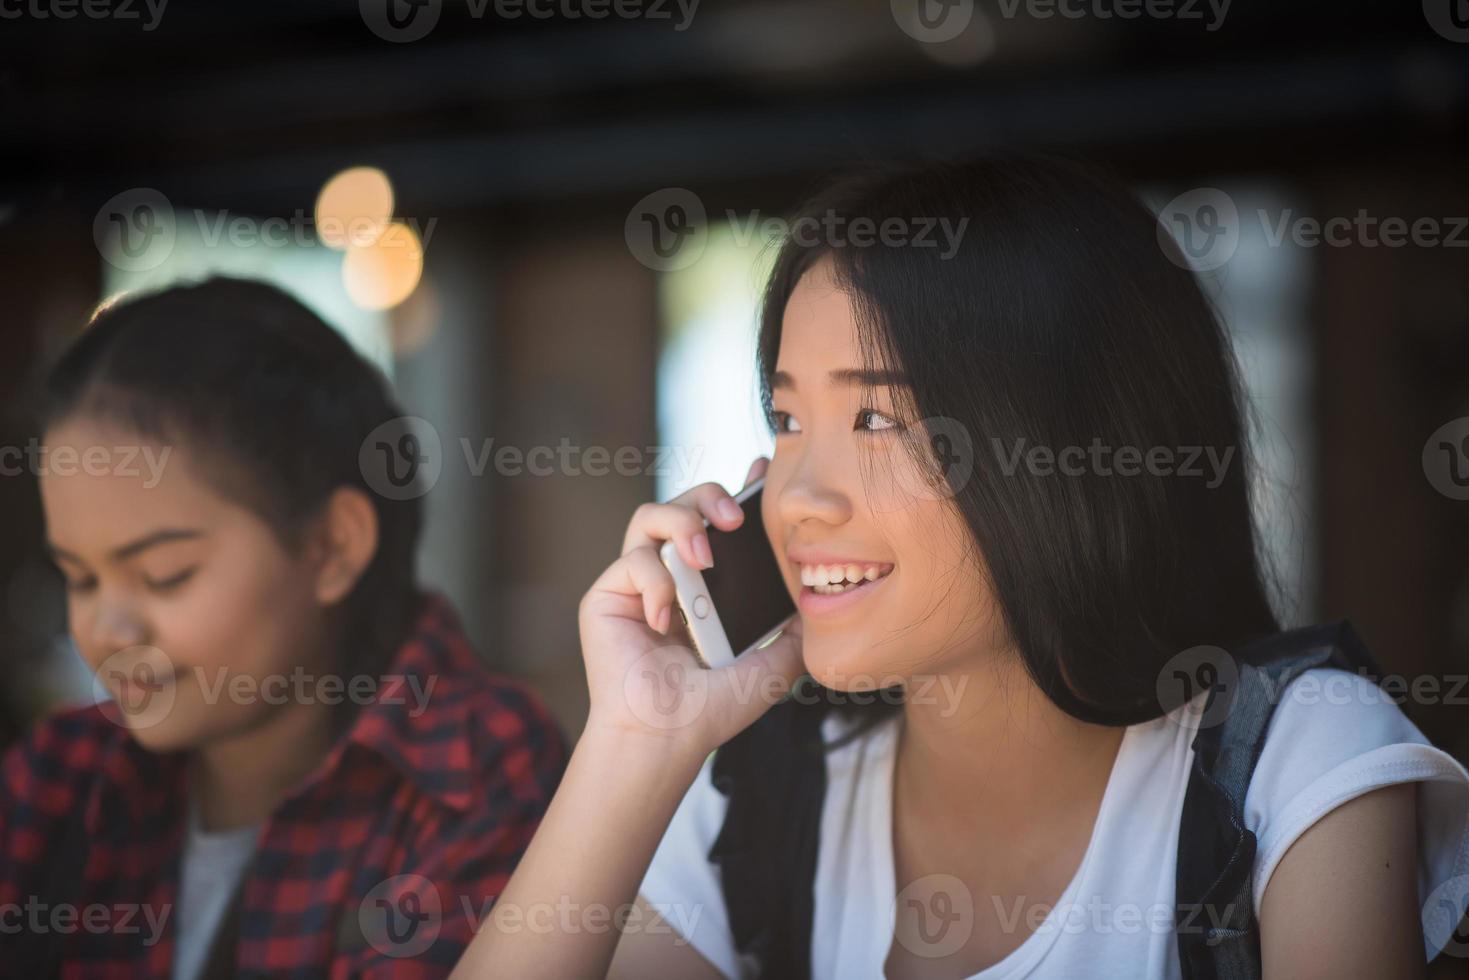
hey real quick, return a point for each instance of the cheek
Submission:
(250, 614)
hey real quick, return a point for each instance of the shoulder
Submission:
(56, 756)
(506, 711)
(1335, 736)
(45, 779)
(452, 711)
(508, 743)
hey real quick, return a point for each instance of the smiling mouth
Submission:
(840, 578)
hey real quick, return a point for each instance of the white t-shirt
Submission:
(1333, 737)
(212, 866)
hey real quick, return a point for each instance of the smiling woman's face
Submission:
(845, 500)
(175, 593)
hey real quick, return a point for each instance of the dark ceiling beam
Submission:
(623, 157)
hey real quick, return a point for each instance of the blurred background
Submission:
(569, 220)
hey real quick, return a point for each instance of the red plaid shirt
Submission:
(381, 863)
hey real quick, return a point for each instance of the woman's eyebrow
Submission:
(845, 376)
(133, 547)
(852, 376)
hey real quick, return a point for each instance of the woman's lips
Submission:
(813, 603)
(128, 688)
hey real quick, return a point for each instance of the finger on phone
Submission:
(653, 524)
(646, 574)
(715, 504)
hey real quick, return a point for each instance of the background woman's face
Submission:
(176, 593)
(844, 490)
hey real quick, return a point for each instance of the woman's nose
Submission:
(116, 624)
(811, 492)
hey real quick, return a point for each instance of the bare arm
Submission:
(655, 716)
(583, 867)
(1343, 902)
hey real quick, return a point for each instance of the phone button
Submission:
(701, 606)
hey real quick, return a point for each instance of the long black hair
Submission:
(1063, 319)
(276, 403)
(1060, 320)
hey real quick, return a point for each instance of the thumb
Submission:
(761, 678)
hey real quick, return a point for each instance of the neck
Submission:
(987, 751)
(241, 779)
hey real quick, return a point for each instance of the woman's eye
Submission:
(172, 581)
(784, 422)
(875, 421)
(82, 585)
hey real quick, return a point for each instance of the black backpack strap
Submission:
(774, 775)
(1218, 935)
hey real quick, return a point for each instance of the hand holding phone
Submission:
(644, 681)
(738, 602)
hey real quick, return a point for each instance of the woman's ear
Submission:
(347, 542)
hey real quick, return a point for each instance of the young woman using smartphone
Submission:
(1015, 812)
(304, 769)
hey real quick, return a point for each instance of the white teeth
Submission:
(827, 578)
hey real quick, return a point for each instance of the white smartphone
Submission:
(741, 601)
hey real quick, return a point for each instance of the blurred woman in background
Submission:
(303, 769)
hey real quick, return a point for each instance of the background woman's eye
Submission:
(172, 581)
(785, 422)
(81, 585)
(874, 420)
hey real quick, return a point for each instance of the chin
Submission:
(839, 666)
(163, 737)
